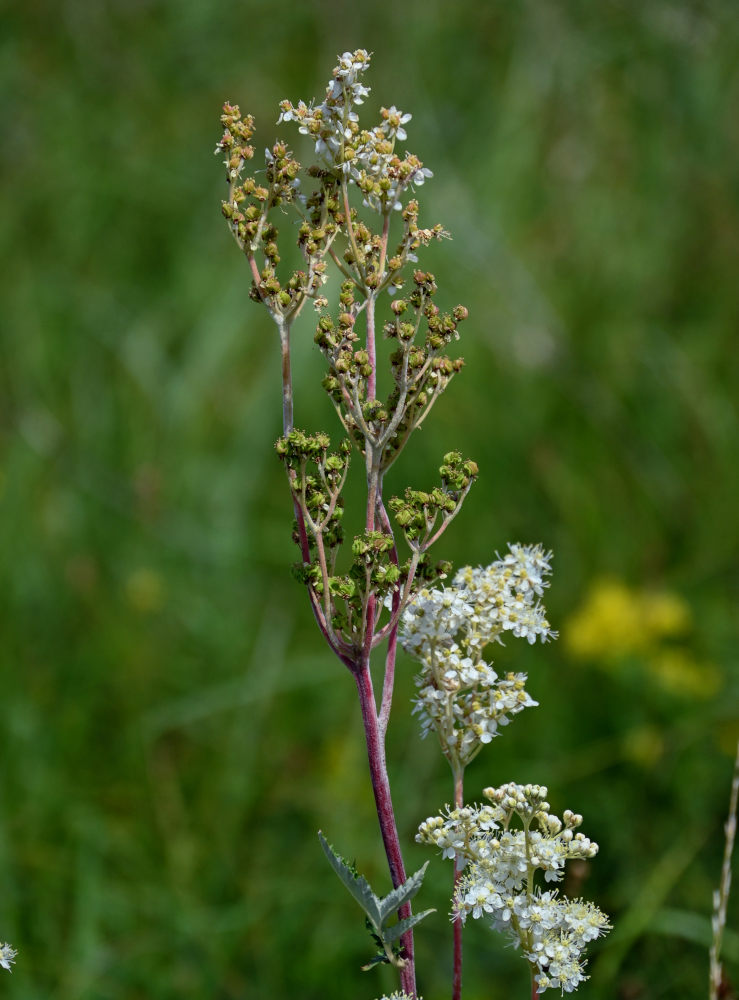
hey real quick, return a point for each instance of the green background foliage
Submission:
(173, 733)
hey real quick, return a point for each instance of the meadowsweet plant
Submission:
(355, 216)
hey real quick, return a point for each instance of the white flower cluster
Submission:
(7, 956)
(367, 158)
(460, 696)
(460, 831)
(505, 595)
(552, 931)
(399, 996)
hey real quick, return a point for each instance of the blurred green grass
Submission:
(172, 733)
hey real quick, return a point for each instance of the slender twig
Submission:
(721, 895)
(383, 245)
(350, 232)
(397, 612)
(448, 518)
(372, 380)
(347, 274)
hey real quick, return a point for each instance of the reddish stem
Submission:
(255, 272)
(385, 813)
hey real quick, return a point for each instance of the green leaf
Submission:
(358, 886)
(391, 934)
(395, 899)
(379, 959)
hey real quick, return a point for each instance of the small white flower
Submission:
(7, 956)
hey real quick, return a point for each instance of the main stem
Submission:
(385, 813)
(458, 772)
(374, 726)
(287, 382)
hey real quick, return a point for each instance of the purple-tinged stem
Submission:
(385, 813)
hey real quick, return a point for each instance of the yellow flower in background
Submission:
(677, 671)
(611, 623)
(616, 622)
(666, 614)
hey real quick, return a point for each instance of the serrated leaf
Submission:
(395, 899)
(379, 959)
(397, 930)
(357, 885)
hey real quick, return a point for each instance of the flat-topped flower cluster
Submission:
(461, 697)
(498, 883)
